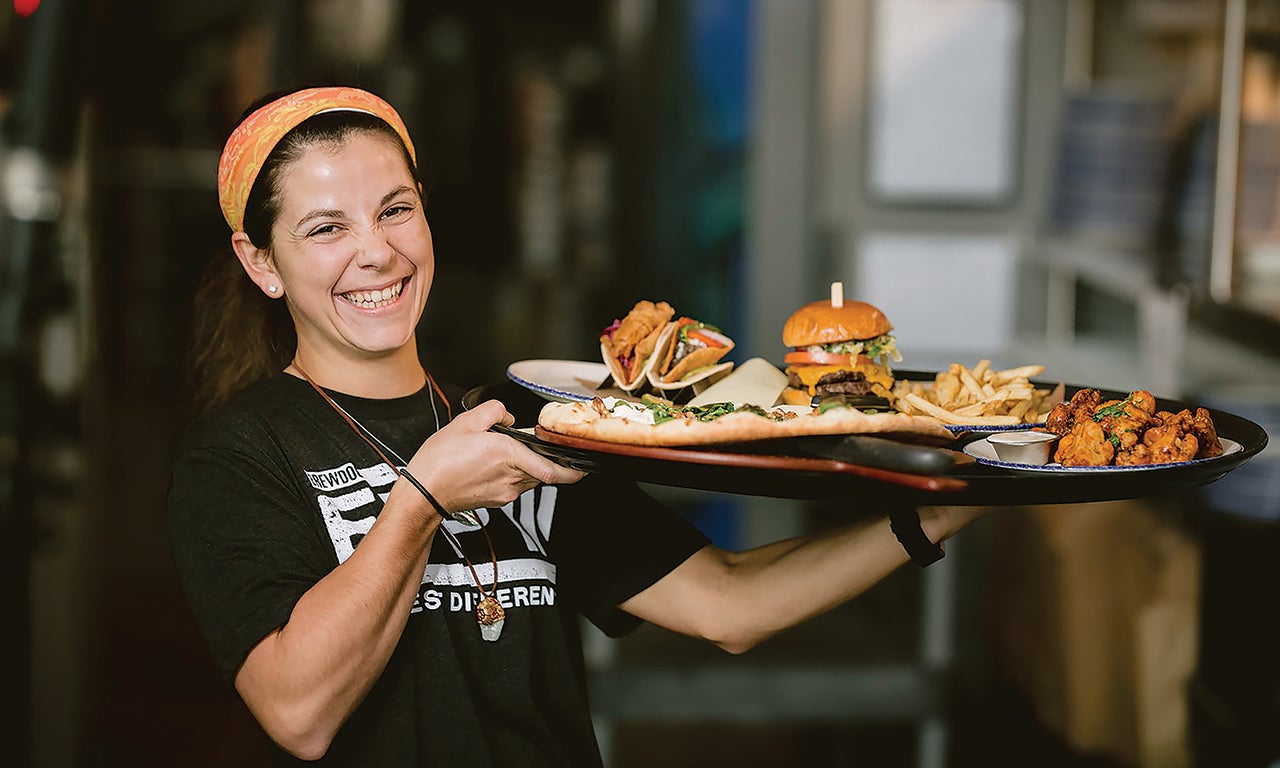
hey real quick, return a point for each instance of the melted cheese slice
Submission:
(810, 375)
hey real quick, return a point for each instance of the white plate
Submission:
(559, 380)
(986, 454)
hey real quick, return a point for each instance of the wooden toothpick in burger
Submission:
(839, 348)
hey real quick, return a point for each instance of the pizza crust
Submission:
(580, 419)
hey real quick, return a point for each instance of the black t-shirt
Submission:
(273, 490)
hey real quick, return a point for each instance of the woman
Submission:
(383, 579)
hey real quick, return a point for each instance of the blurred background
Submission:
(1084, 184)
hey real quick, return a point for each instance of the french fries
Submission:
(979, 396)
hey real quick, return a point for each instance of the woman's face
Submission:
(353, 250)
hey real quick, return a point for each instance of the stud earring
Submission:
(272, 288)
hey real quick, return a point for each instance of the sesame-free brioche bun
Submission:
(822, 323)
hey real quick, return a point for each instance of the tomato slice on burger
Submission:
(802, 357)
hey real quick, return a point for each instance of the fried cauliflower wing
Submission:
(1063, 416)
(1059, 419)
(1129, 432)
(1143, 400)
(1086, 445)
(1170, 443)
(1127, 419)
(1181, 420)
(1206, 434)
(1133, 456)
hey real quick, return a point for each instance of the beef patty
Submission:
(836, 383)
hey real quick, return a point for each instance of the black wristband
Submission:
(905, 524)
(425, 493)
(468, 517)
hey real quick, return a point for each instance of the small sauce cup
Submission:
(1023, 447)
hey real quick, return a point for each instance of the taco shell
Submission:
(696, 365)
(692, 363)
(645, 352)
(706, 375)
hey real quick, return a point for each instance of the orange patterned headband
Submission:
(259, 133)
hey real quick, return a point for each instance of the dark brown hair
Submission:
(239, 335)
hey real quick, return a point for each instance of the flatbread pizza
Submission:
(658, 423)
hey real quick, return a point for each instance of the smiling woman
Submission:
(240, 338)
(351, 252)
(371, 621)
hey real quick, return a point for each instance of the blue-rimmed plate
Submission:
(962, 428)
(985, 453)
(561, 380)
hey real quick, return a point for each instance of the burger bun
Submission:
(821, 322)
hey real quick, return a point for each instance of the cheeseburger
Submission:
(838, 348)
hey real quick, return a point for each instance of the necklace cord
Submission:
(360, 432)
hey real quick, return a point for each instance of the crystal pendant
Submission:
(491, 616)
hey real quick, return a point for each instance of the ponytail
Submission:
(238, 336)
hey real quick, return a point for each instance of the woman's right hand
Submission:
(465, 466)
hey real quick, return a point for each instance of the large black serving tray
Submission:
(980, 484)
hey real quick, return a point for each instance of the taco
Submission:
(691, 351)
(630, 345)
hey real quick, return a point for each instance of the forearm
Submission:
(304, 680)
(740, 599)
(772, 588)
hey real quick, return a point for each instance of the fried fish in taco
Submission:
(629, 345)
